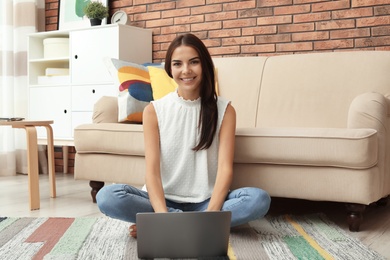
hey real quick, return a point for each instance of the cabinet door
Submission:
(84, 97)
(51, 103)
(88, 48)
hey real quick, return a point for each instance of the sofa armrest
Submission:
(369, 110)
(105, 110)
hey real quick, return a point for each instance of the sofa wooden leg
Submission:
(355, 215)
(96, 186)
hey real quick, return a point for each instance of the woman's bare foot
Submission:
(133, 230)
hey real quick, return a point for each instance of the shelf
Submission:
(59, 59)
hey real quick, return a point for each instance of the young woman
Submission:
(189, 148)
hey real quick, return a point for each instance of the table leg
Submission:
(33, 171)
(50, 159)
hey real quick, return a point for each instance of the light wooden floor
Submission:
(74, 200)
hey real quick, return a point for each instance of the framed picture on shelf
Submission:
(71, 14)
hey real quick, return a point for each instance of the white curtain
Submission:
(18, 18)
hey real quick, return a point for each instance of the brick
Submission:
(352, 13)
(310, 36)
(380, 31)
(121, 3)
(51, 13)
(242, 5)
(208, 2)
(159, 55)
(258, 48)
(144, 2)
(135, 9)
(164, 38)
(330, 6)
(302, 46)
(140, 24)
(333, 44)
(225, 33)
(372, 42)
(212, 42)
(335, 24)
(273, 3)
(359, 3)
(256, 12)
(147, 16)
(221, 16)
(373, 21)
(384, 48)
(203, 35)
(224, 50)
(176, 13)
(206, 26)
(176, 29)
(283, 19)
(161, 6)
(293, 9)
(382, 10)
(159, 23)
(206, 9)
(238, 41)
(277, 38)
(156, 47)
(189, 3)
(259, 30)
(298, 2)
(302, 27)
(189, 19)
(351, 33)
(51, 27)
(304, 18)
(239, 23)
(58, 162)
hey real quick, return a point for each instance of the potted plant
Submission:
(96, 12)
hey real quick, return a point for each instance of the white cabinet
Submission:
(69, 99)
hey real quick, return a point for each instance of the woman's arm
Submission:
(225, 160)
(152, 158)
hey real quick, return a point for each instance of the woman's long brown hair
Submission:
(209, 111)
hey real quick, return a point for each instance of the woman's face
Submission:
(186, 70)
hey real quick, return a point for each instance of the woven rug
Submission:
(283, 237)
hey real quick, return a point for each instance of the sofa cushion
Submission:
(348, 148)
(110, 138)
(135, 91)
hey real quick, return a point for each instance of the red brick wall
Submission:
(258, 27)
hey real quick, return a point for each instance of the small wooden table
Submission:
(32, 157)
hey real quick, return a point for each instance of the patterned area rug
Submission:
(283, 237)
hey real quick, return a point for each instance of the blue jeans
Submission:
(123, 202)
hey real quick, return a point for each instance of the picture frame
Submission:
(71, 14)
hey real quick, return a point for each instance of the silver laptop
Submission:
(183, 235)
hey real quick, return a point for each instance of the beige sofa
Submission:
(309, 126)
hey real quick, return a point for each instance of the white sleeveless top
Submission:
(187, 176)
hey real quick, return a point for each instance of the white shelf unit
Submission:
(69, 101)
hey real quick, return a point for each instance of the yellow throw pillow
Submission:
(161, 83)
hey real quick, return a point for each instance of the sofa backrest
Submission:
(239, 81)
(301, 90)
